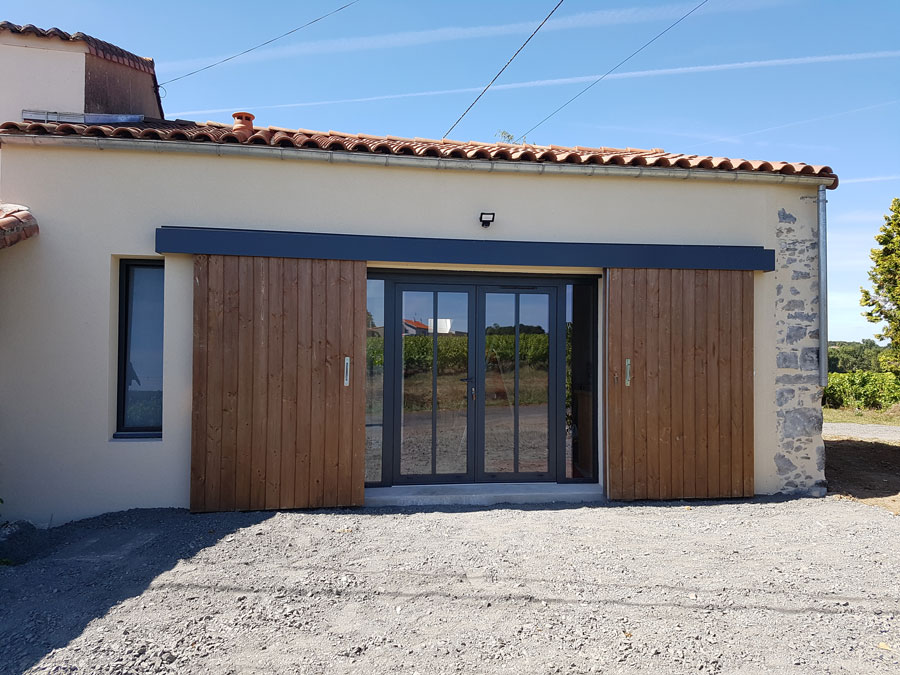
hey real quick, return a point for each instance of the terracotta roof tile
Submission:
(16, 224)
(104, 50)
(333, 141)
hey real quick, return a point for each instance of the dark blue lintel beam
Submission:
(270, 243)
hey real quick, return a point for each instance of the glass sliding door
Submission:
(516, 420)
(435, 387)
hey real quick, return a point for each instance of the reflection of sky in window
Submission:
(146, 329)
(500, 309)
(534, 310)
(419, 306)
(375, 300)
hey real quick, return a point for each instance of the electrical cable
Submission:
(611, 70)
(262, 44)
(472, 105)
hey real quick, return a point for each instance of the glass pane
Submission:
(374, 378)
(579, 382)
(534, 382)
(499, 382)
(416, 365)
(452, 391)
(144, 349)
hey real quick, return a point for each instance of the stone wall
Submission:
(800, 459)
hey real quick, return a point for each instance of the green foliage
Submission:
(882, 302)
(846, 357)
(862, 389)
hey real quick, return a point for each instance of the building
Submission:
(215, 315)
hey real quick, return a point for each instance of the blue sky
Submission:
(816, 81)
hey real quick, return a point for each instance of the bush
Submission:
(862, 389)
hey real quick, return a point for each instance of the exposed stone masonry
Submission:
(800, 459)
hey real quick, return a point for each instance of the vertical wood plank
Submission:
(333, 380)
(737, 387)
(712, 384)
(747, 365)
(273, 402)
(665, 384)
(215, 329)
(260, 382)
(614, 384)
(305, 318)
(231, 282)
(651, 360)
(358, 384)
(198, 403)
(689, 384)
(639, 383)
(676, 482)
(243, 466)
(289, 387)
(317, 386)
(628, 398)
(701, 484)
(345, 393)
(724, 310)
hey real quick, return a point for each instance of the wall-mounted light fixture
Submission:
(486, 219)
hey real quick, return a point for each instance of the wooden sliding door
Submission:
(278, 412)
(679, 383)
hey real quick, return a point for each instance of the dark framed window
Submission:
(139, 409)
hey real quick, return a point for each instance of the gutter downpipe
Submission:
(823, 287)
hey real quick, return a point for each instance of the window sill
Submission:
(137, 435)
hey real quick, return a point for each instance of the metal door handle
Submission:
(627, 372)
(346, 371)
(473, 393)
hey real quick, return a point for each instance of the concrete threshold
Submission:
(484, 494)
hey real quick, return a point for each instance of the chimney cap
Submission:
(243, 117)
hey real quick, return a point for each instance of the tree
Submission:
(882, 303)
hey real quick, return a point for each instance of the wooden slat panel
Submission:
(712, 385)
(333, 375)
(628, 423)
(689, 380)
(747, 367)
(701, 484)
(358, 383)
(317, 387)
(345, 393)
(664, 379)
(260, 382)
(676, 484)
(724, 355)
(289, 387)
(273, 404)
(304, 381)
(651, 406)
(614, 378)
(198, 404)
(737, 390)
(243, 466)
(690, 335)
(639, 383)
(231, 284)
(215, 319)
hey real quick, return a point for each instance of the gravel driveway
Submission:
(863, 432)
(768, 586)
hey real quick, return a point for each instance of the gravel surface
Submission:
(862, 432)
(763, 586)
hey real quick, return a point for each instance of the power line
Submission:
(262, 44)
(612, 70)
(472, 105)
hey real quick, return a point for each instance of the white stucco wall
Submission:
(58, 311)
(40, 74)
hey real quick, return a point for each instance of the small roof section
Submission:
(104, 50)
(16, 224)
(334, 141)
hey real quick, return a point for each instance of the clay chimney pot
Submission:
(243, 124)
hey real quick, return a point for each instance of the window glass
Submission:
(374, 378)
(141, 360)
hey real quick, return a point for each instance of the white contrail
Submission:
(659, 72)
(870, 179)
(607, 17)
